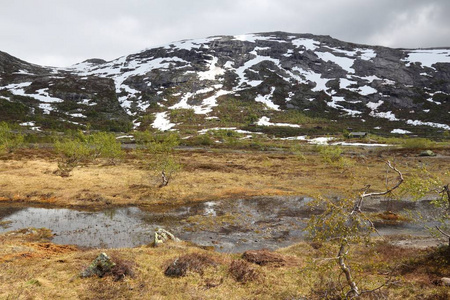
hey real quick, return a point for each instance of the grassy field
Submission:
(28, 176)
(31, 267)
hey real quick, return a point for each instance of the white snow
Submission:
(345, 83)
(312, 77)
(344, 62)
(309, 44)
(265, 121)
(266, 99)
(162, 122)
(77, 115)
(400, 131)
(321, 140)
(360, 144)
(428, 57)
(366, 54)
(384, 115)
(374, 105)
(31, 123)
(23, 72)
(212, 72)
(431, 124)
(205, 107)
(366, 90)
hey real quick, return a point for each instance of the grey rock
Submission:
(427, 153)
(161, 236)
(100, 266)
(445, 281)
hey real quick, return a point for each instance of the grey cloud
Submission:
(65, 32)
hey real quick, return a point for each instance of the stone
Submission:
(445, 281)
(100, 266)
(427, 153)
(161, 236)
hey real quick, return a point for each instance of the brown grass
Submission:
(50, 271)
(29, 178)
(264, 257)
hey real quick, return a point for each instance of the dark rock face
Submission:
(335, 79)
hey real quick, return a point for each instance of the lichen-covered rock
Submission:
(427, 153)
(100, 266)
(161, 236)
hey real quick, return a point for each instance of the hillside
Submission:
(303, 83)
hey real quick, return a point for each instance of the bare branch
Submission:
(442, 232)
(358, 205)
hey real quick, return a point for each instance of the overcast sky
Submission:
(64, 32)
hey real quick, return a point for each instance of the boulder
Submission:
(445, 281)
(100, 266)
(427, 153)
(161, 236)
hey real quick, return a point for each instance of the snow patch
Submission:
(267, 100)
(427, 57)
(430, 124)
(400, 131)
(162, 122)
(265, 121)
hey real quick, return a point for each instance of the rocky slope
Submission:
(256, 77)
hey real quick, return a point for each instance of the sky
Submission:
(61, 33)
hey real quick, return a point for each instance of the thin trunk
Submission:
(341, 260)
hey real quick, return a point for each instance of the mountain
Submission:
(304, 82)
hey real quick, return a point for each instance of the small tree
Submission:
(422, 183)
(344, 222)
(161, 148)
(9, 140)
(72, 153)
(105, 145)
(83, 148)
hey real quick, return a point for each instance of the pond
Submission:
(228, 226)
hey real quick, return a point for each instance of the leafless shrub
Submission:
(193, 262)
(122, 269)
(243, 272)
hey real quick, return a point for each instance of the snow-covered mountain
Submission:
(376, 88)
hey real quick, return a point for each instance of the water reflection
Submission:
(229, 226)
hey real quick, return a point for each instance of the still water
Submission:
(229, 226)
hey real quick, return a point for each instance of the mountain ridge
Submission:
(265, 74)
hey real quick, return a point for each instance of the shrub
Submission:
(9, 140)
(243, 272)
(81, 148)
(105, 145)
(417, 143)
(73, 153)
(330, 154)
(161, 147)
(193, 262)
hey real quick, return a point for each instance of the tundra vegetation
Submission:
(344, 257)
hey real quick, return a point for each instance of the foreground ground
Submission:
(31, 267)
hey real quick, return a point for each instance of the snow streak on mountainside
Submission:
(281, 71)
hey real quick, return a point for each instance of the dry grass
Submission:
(52, 272)
(206, 175)
(33, 268)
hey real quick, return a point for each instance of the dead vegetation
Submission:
(27, 177)
(32, 267)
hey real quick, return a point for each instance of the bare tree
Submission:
(345, 222)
